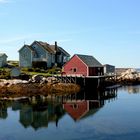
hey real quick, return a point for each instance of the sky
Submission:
(109, 30)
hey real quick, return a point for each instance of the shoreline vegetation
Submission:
(10, 89)
(35, 81)
(32, 82)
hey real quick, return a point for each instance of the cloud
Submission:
(18, 38)
(4, 1)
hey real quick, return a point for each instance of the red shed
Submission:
(77, 109)
(83, 65)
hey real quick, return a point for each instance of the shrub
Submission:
(54, 71)
(42, 65)
(5, 73)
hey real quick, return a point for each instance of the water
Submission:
(101, 116)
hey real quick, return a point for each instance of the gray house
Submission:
(3, 59)
(109, 69)
(39, 53)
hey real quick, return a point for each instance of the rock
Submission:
(8, 83)
(51, 80)
(43, 80)
(36, 78)
(130, 74)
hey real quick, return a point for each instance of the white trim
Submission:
(87, 71)
(81, 60)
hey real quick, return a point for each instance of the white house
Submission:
(3, 59)
(109, 69)
(42, 53)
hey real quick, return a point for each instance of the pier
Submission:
(88, 81)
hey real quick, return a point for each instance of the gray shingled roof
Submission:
(90, 61)
(2, 54)
(46, 46)
(51, 48)
(29, 47)
(62, 50)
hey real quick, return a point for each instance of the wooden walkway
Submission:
(97, 81)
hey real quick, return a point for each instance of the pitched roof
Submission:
(59, 49)
(30, 47)
(62, 50)
(51, 48)
(46, 46)
(27, 47)
(2, 54)
(90, 61)
(76, 109)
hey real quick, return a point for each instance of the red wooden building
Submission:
(79, 109)
(83, 65)
(76, 109)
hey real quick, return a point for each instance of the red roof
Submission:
(76, 109)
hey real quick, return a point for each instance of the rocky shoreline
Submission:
(37, 85)
(129, 77)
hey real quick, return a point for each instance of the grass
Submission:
(36, 73)
(33, 89)
(5, 72)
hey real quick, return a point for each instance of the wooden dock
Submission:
(88, 81)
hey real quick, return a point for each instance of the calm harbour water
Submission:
(112, 115)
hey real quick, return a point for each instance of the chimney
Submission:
(56, 45)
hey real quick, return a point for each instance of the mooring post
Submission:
(75, 80)
(98, 84)
(84, 81)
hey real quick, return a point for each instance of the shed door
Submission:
(91, 71)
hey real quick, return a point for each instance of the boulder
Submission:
(51, 79)
(36, 78)
(130, 74)
(12, 82)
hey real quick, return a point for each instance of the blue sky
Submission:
(107, 29)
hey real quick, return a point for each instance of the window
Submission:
(75, 106)
(74, 70)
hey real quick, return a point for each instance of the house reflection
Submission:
(3, 110)
(132, 89)
(40, 113)
(87, 103)
(26, 116)
(80, 109)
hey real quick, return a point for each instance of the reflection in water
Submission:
(88, 103)
(132, 89)
(39, 113)
(3, 110)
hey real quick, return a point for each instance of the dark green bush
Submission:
(54, 70)
(5, 74)
(41, 65)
